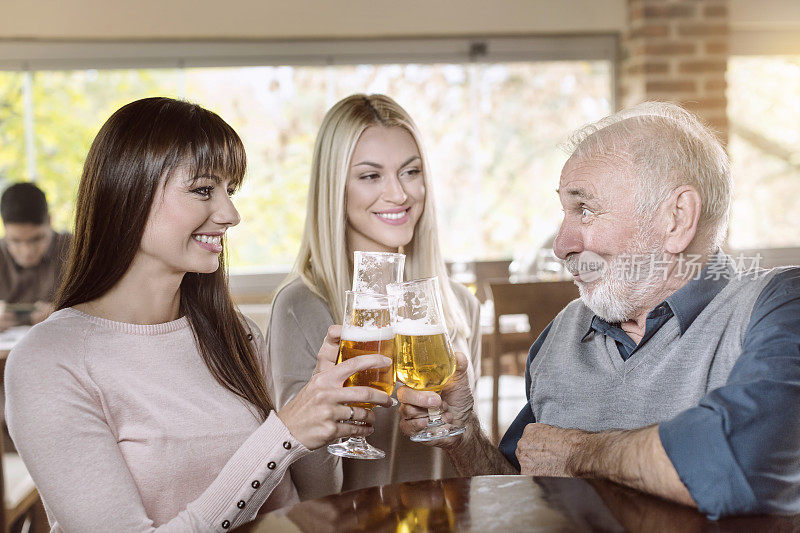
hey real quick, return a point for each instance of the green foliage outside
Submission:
(69, 108)
(491, 132)
(12, 153)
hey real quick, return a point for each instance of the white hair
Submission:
(667, 147)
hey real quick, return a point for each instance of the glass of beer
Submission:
(424, 354)
(367, 329)
(373, 271)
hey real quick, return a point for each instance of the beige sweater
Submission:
(123, 428)
(298, 323)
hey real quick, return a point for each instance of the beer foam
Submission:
(357, 334)
(370, 302)
(418, 327)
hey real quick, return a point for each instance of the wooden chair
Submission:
(541, 301)
(22, 510)
(489, 270)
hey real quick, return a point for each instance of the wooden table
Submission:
(502, 503)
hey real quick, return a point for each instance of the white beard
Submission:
(627, 284)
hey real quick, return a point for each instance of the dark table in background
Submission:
(502, 503)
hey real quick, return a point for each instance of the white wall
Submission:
(302, 19)
(765, 27)
(758, 26)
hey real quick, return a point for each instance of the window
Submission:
(12, 129)
(492, 115)
(46, 139)
(765, 150)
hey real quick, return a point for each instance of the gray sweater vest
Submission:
(586, 384)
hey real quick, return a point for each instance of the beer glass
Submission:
(425, 359)
(373, 271)
(367, 329)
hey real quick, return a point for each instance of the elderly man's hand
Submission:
(455, 401)
(549, 451)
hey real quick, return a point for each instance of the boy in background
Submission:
(32, 256)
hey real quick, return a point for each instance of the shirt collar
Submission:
(689, 301)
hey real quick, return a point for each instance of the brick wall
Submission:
(677, 50)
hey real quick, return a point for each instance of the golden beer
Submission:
(425, 359)
(358, 341)
(427, 518)
(367, 328)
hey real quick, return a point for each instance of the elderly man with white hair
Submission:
(674, 373)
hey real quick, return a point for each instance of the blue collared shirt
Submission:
(739, 450)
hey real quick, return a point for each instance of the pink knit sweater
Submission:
(123, 428)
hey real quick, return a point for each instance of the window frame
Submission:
(73, 55)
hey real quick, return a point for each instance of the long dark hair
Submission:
(134, 153)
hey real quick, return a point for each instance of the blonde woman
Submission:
(369, 191)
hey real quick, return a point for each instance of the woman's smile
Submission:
(209, 241)
(395, 217)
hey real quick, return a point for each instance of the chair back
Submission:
(541, 301)
(486, 271)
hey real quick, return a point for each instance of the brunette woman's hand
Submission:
(318, 414)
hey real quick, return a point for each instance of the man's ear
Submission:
(682, 213)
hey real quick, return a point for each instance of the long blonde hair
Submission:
(323, 263)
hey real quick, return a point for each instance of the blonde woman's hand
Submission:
(318, 414)
(329, 351)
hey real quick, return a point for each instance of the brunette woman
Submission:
(141, 404)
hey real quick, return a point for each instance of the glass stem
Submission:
(434, 417)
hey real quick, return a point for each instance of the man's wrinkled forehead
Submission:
(596, 176)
